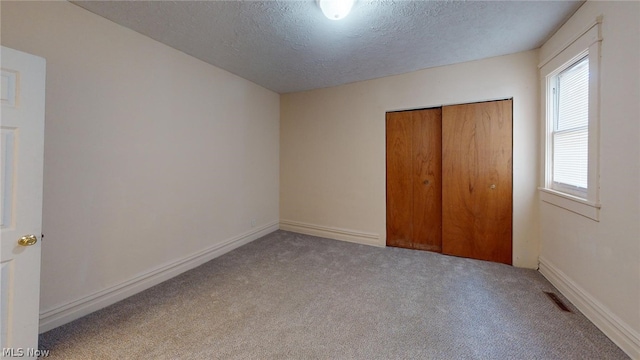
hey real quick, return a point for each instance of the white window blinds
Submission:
(571, 128)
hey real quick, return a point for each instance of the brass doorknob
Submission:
(27, 240)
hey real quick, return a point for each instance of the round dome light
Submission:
(335, 9)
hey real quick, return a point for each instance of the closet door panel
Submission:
(477, 180)
(427, 179)
(399, 179)
(414, 194)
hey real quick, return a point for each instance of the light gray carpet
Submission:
(292, 296)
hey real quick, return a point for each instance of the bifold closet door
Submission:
(414, 168)
(477, 180)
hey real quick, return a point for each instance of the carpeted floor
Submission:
(293, 296)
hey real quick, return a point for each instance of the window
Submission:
(570, 86)
(570, 131)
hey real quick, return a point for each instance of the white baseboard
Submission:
(617, 330)
(331, 232)
(60, 315)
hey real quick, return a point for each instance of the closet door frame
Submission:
(400, 233)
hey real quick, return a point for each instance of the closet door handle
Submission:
(492, 187)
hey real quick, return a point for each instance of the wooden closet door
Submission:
(414, 193)
(477, 180)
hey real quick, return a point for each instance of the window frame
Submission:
(586, 43)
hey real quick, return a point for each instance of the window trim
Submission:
(585, 43)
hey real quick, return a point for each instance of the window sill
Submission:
(574, 204)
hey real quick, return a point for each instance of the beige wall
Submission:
(151, 157)
(332, 158)
(597, 264)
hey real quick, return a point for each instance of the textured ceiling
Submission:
(289, 46)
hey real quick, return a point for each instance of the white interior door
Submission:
(21, 153)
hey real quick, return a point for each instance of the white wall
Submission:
(152, 157)
(597, 264)
(332, 158)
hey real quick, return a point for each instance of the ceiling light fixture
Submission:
(335, 9)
